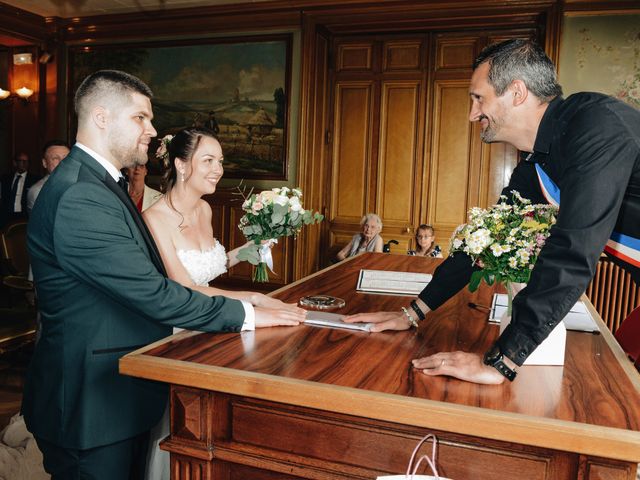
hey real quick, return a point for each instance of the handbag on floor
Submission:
(411, 472)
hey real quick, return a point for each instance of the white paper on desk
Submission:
(578, 317)
(333, 320)
(399, 283)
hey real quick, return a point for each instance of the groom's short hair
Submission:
(110, 88)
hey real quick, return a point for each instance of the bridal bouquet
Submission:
(269, 215)
(504, 240)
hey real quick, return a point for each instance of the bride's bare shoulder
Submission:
(204, 206)
(158, 212)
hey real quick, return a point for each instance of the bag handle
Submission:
(431, 461)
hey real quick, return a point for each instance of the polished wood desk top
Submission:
(588, 406)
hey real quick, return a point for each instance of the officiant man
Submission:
(582, 153)
(102, 292)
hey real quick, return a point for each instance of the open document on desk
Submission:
(578, 317)
(392, 283)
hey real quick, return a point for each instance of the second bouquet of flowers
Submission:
(504, 240)
(269, 215)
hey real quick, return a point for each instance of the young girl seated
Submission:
(426, 243)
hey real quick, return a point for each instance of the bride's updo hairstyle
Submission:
(182, 146)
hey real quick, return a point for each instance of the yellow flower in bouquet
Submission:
(504, 240)
(269, 215)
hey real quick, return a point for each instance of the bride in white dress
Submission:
(181, 227)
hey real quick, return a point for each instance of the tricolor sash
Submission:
(621, 246)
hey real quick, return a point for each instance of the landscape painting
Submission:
(236, 87)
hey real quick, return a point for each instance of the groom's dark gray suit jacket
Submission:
(101, 294)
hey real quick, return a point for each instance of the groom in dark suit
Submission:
(102, 292)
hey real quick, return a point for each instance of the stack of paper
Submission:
(394, 283)
(578, 317)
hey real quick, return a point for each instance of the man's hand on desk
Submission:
(271, 317)
(381, 320)
(462, 365)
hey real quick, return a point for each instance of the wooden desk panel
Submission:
(325, 403)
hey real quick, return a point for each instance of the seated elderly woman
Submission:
(426, 243)
(367, 241)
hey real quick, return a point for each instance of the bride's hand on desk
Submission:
(462, 365)
(272, 317)
(381, 320)
(261, 300)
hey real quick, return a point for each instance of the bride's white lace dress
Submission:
(202, 266)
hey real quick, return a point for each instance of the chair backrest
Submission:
(14, 248)
(386, 248)
(628, 336)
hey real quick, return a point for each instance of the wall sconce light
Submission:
(22, 93)
(22, 58)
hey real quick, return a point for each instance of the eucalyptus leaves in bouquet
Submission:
(269, 215)
(504, 240)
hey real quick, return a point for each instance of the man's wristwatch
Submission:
(494, 358)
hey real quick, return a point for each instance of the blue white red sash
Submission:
(621, 246)
(549, 189)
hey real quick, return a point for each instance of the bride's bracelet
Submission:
(410, 319)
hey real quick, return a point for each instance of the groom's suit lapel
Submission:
(137, 218)
(111, 184)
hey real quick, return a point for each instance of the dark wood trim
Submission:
(22, 24)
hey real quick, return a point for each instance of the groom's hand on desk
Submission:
(462, 365)
(271, 317)
(380, 321)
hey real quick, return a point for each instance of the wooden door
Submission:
(402, 144)
(378, 105)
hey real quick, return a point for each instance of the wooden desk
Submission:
(309, 402)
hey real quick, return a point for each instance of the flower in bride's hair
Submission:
(163, 150)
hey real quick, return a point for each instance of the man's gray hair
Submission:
(524, 60)
(371, 216)
(113, 84)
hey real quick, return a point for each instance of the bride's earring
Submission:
(182, 177)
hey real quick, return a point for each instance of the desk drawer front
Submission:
(340, 440)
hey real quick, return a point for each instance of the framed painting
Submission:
(237, 87)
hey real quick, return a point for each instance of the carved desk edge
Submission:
(556, 434)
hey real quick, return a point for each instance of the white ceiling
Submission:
(82, 8)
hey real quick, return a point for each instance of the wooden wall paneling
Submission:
(315, 137)
(455, 53)
(351, 158)
(397, 192)
(354, 57)
(219, 223)
(402, 55)
(452, 176)
(502, 159)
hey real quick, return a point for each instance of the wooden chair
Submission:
(628, 336)
(15, 258)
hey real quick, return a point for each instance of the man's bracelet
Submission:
(410, 319)
(416, 308)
